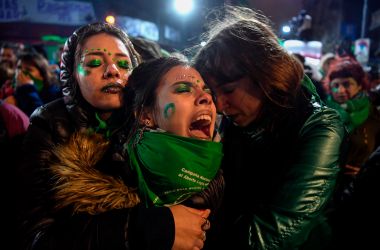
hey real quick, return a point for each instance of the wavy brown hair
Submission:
(242, 43)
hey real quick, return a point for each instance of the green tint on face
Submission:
(169, 110)
(335, 90)
(82, 71)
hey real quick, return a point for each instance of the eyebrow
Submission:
(184, 82)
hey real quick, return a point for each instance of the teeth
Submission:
(203, 117)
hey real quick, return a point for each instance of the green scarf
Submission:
(171, 168)
(354, 112)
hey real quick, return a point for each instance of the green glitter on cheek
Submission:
(335, 90)
(109, 53)
(169, 110)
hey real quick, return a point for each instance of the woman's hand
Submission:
(189, 227)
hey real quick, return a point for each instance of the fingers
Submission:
(188, 222)
(206, 225)
(205, 213)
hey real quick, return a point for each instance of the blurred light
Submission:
(110, 19)
(203, 43)
(183, 7)
(53, 38)
(286, 29)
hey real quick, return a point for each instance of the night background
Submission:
(48, 22)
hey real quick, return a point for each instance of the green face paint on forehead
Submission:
(169, 110)
(86, 51)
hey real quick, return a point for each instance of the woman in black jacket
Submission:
(86, 205)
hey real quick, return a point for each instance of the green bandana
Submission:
(171, 168)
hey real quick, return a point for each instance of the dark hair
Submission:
(141, 91)
(147, 49)
(347, 67)
(244, 44)
(40, 62)
(15, 47)
(73, 49)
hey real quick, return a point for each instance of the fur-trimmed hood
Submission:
(79, 185)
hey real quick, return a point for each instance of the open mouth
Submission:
(200, 127)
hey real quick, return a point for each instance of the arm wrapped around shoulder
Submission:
(211, 197)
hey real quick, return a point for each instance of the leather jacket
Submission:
(280, 173)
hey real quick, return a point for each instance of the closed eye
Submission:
(124, 64)
(183, 87)
(94, 63)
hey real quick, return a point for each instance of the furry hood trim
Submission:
(79, 185)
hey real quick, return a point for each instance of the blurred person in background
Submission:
(281, 143)
(6, 79)
(8, 54)
(34, 84)
(96, 63)
(8, 60)
(313, 75)
(348, 87)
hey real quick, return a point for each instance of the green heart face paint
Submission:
(169, 110)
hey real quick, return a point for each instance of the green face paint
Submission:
(94, 63)
(169, 110)
(123, 64)
(39, 84)
(82, 71)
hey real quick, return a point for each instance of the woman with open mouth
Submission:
(171, 147)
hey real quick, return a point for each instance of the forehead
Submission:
(182, 73)
(104, 41)
(343, 79)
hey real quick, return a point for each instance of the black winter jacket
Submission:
(85, 222)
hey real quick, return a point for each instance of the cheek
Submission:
(353, 92)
